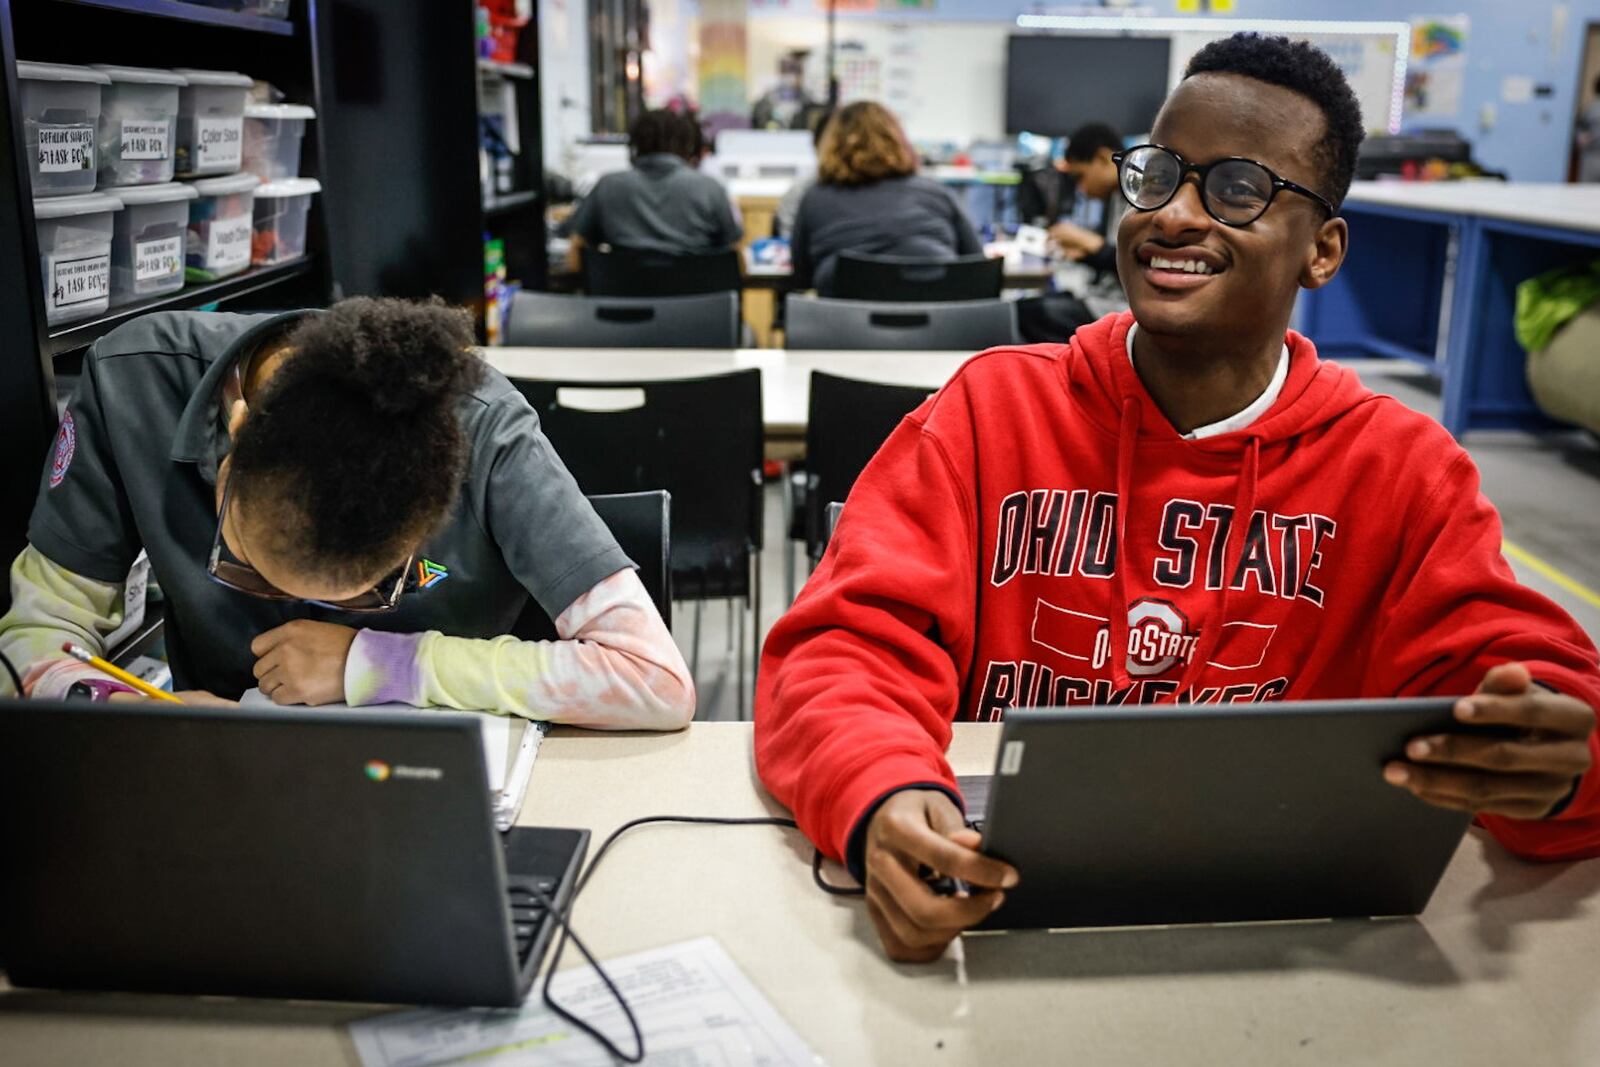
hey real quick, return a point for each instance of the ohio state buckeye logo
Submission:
(1158, 638)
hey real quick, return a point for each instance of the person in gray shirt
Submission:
(869, 198)
(661, 204)
(345, 505)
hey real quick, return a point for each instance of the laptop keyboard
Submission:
(528, 913)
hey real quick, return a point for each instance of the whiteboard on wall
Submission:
(946, 80)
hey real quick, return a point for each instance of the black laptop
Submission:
(265, 852)
(1162, 815)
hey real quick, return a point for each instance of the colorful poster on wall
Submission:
(723, 100)
(1438, 66)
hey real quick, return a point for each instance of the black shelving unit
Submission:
(151, 33)
(517, 217)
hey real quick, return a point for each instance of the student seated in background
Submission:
(1087, 160)
(1295, 535)
(344, 505)
(662, 203)
(869, 198)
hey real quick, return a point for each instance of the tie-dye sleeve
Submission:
(615, 667)
(51, 605)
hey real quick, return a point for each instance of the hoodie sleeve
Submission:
(861, 678)
(1453, 610)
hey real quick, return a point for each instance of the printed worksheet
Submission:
(695, 1007)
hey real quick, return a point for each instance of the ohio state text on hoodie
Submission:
(1037, 533)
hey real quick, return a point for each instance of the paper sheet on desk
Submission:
(694, 1005)
(496, 730)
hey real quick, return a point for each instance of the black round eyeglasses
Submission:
(1235, 191)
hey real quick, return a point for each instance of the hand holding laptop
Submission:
(1524, 776)
(914, 831)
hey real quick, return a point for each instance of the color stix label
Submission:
(219, 143)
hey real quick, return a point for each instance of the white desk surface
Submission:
(1500, 970)
(1021, 272)
(785, 376)
(1573, 207)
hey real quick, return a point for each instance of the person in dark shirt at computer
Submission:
(1087, 161)
(869, 198)
(662, 203)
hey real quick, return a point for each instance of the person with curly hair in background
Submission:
(869, 198)
(342, 505)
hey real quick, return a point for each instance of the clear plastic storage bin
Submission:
(220, 231)
(211, 122)
(60, 120)
(75, 254)
(138, 116)
(147, 246)
(272, 136)
(280, 226)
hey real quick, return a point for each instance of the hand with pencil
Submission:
(143, 689)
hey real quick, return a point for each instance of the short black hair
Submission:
(1307, 70)
(662, 130)
(1087, 140)
(354, 451)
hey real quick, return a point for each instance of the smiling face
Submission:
(1192, 280)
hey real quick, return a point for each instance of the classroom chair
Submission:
(835, 510)
(642, 525)
(847, 421)
(700, 439)
(914, 279)
(818, 322)
(710, 320)
(644, 272)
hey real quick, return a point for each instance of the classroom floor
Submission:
(1547, 489)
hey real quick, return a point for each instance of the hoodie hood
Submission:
(1105, 387)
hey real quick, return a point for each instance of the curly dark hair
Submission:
(1307, 70)
(662, 130)
(354, 452)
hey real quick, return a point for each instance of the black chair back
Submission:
(641, 523)
(847, 421)
(911, 279)
(818, 322)
(698, 438)
(644, 272)
(710, 320)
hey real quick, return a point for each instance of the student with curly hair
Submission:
(868, 197)
(1182, 505)
(345, 505)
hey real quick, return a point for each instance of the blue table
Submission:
(1431, 278)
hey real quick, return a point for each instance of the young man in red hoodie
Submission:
(1183, 504)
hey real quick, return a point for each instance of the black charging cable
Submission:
(560, 915)
(16, 679)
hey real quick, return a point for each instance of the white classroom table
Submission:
(1567, 206)
(1499, 971)
(785, 376)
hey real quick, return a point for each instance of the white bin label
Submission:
(161, 258)
(219, 143)
(79, 280)
(65, 148)
(228, 244)
(144, 139)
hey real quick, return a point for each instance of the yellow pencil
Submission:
(83, 655)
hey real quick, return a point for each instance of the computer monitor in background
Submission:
(1055, 84)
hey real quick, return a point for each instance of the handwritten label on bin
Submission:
(228, 243)
(144, 139)
(79, 280)
(218, 143)
(65, 148)
(158, 259)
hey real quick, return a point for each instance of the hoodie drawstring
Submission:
(1127, 441)
(1244, 507)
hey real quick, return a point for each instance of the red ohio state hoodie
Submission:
(1037, 533)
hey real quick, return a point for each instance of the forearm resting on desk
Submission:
(615, 667)
(51, 605)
